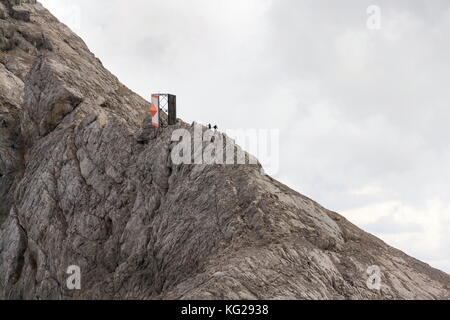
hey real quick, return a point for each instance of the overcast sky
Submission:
(363, 113)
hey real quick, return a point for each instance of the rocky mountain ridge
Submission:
(84, 181)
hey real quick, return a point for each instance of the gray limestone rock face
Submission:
(86, 181)
(48, 98)
(16, 9)
(20, 14)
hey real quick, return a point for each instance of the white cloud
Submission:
(423, 231)
(368, 190)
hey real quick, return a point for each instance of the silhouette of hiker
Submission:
(216, 127)
(209, 126)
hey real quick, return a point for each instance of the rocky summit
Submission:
(84, 181)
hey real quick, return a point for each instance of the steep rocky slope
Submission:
(84, 181)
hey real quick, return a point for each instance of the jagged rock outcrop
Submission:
(85, 181)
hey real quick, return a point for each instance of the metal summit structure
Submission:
(165, 102)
